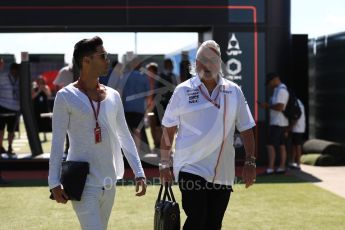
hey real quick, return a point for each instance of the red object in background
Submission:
(50, 76)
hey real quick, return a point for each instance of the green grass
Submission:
(289, 204)
(275, 202)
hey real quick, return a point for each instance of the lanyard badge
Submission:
(97, 130)
(98, 135)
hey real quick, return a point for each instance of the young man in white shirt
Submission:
(278, 122)
(92, 115)
(205, 110)
(297, 131)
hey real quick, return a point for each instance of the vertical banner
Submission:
(240, 64)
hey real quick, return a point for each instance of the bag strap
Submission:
(168, 193)
(160, 193)
(172, 194)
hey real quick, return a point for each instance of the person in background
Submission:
(2, 65)
(105, 78)
(66, 76)
(185, 67)
(40, 95)
(278, 122)
(297, 132)
(93, 116)
(136, 98)
(116, 78)
(204, 111)
(152, 73)
(164, 89)
(152, 76)
(9, 107)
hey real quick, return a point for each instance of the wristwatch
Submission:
(140, 178)
(250, 161)
(250, 158)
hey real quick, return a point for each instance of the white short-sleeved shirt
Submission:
(64, 77)
(202, 127)
(73, 114)
(9, 92)
(280, 96)
(299, 127)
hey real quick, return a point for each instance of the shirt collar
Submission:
(197, 82)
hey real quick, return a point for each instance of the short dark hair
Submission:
(168, 60)
(85, 47)
(271, 76)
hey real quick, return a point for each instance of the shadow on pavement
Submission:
(291, 176)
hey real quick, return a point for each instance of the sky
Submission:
(312, 17)
(317, 17)
(119, 43)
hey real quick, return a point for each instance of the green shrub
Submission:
(310, 158)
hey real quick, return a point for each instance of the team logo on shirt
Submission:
(193, 96)
(226, 91)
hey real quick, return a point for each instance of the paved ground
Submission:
(329, 178)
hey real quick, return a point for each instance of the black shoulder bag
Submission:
(73, 178)
(167, 211)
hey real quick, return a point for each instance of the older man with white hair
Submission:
(205, 110)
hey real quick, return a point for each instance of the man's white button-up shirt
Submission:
(202, 126)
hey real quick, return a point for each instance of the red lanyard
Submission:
(95, 113)
(97, 131)
(214, 102)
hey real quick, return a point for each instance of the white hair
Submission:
(209, 44)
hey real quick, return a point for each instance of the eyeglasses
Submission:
(103, 55)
